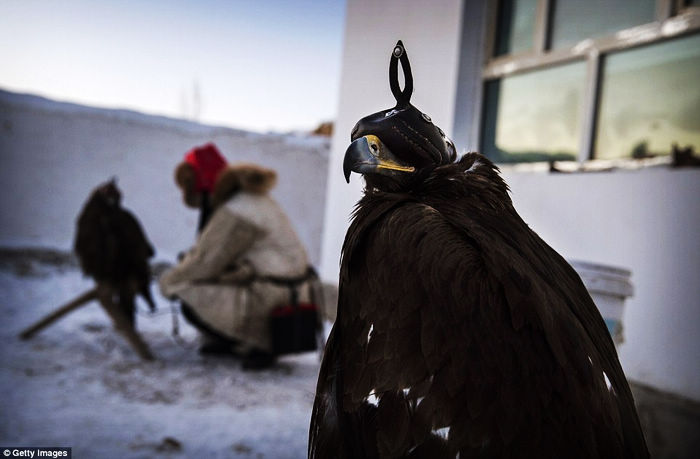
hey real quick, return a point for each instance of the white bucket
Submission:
(609, 286)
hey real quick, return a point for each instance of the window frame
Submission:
(673, 20)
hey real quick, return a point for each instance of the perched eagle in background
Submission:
(113, 249)
(459, 332)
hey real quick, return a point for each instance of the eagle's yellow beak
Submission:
(368, 155)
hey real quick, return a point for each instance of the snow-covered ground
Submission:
(78, 384)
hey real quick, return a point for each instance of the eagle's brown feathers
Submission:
(460, 331)
(112, 247)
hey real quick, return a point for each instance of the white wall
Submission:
(644, 220)
(431, 37)
(53, 154)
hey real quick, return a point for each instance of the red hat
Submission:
(207, 163)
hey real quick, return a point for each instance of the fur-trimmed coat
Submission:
(248, 237)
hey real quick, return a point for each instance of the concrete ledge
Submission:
(671, 423)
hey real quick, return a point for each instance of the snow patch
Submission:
(78, 383)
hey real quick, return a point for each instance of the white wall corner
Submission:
(431, 33)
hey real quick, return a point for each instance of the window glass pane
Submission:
(650, 99)
(535, 116)
(516, 23)
(576, 20)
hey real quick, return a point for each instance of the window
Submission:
(574, 20)
(574, 80)
(535, 116)
(650, 99)
(516, 25)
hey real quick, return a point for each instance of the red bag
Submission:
(294, 328)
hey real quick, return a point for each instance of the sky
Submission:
(262, 65)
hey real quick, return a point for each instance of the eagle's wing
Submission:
(536, 279)
(135, 249)
(448, 337)
(94, 241)
(134, 238)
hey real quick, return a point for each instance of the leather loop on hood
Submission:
(403, 98)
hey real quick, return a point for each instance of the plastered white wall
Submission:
(431, 37)
(646, 221)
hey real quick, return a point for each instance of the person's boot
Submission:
(258, 360)
(219, 348)
(215, 346)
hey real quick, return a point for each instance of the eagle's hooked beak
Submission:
(368, 155)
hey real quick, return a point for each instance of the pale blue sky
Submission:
(258, 64)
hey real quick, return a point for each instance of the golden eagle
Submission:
(113, 249)
(459, 333)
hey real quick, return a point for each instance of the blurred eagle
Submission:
(113, 249)
(459, 332)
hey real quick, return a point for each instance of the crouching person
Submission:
(228, 281)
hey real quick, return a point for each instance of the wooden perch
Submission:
(120, 318)
(122, 322)
(58, 313)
